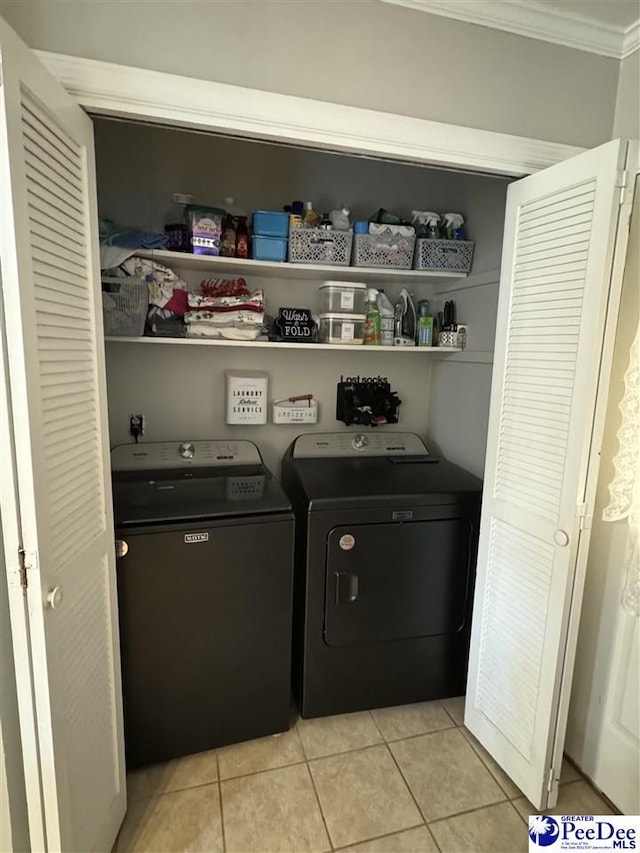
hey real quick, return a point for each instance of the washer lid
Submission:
(195, 494)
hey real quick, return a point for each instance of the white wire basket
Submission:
(384, 250)
(316, 246)
(125, 303)
(454, 255)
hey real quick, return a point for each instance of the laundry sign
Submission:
(295, 324)
(246, 397)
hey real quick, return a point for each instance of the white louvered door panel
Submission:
(558, 302)
(52, 306)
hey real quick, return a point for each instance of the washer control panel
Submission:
(183, 454)
(342, 444)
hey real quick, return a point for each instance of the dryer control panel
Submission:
(183, 454)
(343, 444)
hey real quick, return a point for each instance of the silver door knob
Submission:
(54, 597)
(122, 548)
(561, 537)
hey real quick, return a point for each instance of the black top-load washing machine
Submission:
(205, 541)
(386, 546)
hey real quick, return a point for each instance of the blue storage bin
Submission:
(270, 223)
(269, 248)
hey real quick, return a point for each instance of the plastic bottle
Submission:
(371, 331)
(228, 238)
(310, 218)
(425, 325)
(242, 238)
(387, 313)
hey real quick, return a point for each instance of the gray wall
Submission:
(181, 390)
(358, 52)
(627, 114)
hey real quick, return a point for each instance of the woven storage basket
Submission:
(454, 255)
(315, 246)
(384, 250)
(125, 303)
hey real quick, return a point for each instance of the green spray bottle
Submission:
(371, 331)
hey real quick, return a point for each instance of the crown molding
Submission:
(631, 40)
(104, 88)
(535, 20)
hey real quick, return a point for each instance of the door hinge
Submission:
(623, 184)
(22, 568)
(584, 516)
(550, 779)
(27, 562)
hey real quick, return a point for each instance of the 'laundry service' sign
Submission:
(247, 397)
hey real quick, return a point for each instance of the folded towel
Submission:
(135, 239)
(253, 301)
(225, 318)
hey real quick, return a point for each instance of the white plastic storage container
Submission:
(343, 297)
(246, 396)
(341, 328)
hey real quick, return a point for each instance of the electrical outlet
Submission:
(136, 426)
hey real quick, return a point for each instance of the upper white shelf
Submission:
(212, 265)
(222, 342)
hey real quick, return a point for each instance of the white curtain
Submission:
(624, 490)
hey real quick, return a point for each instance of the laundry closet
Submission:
(179, 385)
(555, 309)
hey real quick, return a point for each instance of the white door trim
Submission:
(119, 90)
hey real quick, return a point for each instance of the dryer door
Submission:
(396, 581)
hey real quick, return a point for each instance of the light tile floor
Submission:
(410, 779)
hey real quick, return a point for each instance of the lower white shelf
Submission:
(220, 342)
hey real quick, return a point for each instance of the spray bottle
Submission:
(387, 314)
(371, 331)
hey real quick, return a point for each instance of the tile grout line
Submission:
(408, 786)
(450, 715)
(224, 840)
(313, 785)
(447, 817)
(485, 764)
(315, 791)
(470, 811)
(387, 835)
(522, 818)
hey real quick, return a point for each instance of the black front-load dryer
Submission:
(386, 544)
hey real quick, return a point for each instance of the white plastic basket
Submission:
(454, 255)
(316, 246)
(125, 303)
(384, 250)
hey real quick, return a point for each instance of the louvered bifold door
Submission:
(53, 318)
(555, 291)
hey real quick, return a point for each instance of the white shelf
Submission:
(212, 265)
(220, 342)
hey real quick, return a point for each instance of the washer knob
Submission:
(359, 441)
(186, 450)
